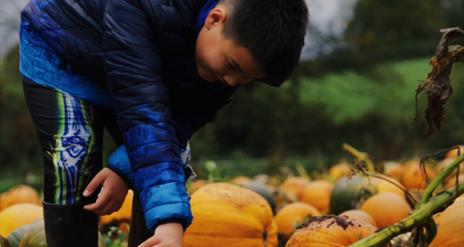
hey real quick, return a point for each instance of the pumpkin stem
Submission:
(302, 172)
(439, 179)
(361, 157)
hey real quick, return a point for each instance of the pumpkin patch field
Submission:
(361, 204)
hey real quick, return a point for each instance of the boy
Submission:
(152, 72)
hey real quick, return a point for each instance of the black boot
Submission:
(70, 226)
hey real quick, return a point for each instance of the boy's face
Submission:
(219, 58)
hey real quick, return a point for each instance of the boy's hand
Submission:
(166, 235)
(112, 194)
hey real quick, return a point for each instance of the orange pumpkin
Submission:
(386, 208)
(292, 187)
(226, 214)
(359, 215)
(392, 185)
(445, 163)
(317, 194)
(340, 170)
(123, 214)
(453, 154)
(18, 215)
(292, 215)
(451, 181)
(19, 194)
(330, 230)
(393, 169)
(413, 178)
(240, 180)
(450, 225)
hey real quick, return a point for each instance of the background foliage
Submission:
(361, 93)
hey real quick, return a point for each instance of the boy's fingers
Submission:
(94, 184)
(115, 207)
(150, 242)
(107, 210)
(112, 207)
(100, 204)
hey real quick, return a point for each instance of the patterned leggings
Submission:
(70, 132)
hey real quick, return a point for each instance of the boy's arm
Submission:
(140, 100)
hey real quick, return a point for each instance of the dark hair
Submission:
(272, 30)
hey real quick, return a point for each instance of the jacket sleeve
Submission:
(140, 100)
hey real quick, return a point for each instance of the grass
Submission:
(349, 95)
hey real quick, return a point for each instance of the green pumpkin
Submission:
(349, 192)
(15, 237)
(4, 242)
(261, 189)
(33, 235)
(34, 238)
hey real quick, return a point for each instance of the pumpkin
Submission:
(386, 208)
(382, 185)
(451, 181)
(226, 214)
(123, 214)
(445, 163)
(34, 238)
(292, 215)
(33, 235)
(240, 180)
(340, 170)
(450, 223)
(263, 190)
(349, 192)
(15, 237)
(292, 187)
(359, 215)
(393, 169)
(413, 177)
(330, 230)
(195, 185)
(4, 242)
(19, 194)
(453, 154)
(262, 178)
(18, 215)
(317, 194)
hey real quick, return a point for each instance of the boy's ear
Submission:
(218, 15)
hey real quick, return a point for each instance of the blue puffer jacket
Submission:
(142, 53)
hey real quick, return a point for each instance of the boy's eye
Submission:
(231, 65)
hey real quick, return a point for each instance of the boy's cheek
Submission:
(203, 73)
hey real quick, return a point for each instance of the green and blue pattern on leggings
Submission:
(74, 140)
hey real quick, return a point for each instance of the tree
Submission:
(395, 28)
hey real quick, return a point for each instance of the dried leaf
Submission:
(437, 85)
